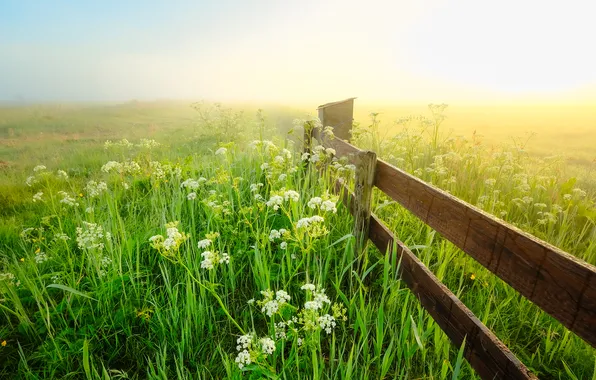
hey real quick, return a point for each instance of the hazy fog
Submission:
(298, 51)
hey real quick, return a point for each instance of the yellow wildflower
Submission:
(473, 276)
(3, 343)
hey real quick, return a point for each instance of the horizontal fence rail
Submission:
(489, 357)
(559, 283)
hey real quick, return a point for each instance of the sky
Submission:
(307, 51)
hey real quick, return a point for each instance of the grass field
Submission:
(204, 246)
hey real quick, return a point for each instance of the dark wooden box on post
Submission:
(340, 116)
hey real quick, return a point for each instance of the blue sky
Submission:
(289, 51)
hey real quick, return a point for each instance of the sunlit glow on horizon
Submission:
(300, 51)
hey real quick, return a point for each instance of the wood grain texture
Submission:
(363, 188)
(559, 283)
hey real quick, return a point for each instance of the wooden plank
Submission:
(489, 357)
(559, 283)
(339, 115)
(363, 187)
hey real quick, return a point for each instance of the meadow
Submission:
(158, 240)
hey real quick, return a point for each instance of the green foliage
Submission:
(90, 288)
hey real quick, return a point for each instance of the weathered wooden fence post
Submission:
(366, 163)
(339, 115)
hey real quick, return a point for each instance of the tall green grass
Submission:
(531, 193)
(123, 306)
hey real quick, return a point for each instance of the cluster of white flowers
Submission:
(244, 345)
(124, 143)
(327, 323)
(318, 295)
(61, 236)
(272, 302)
(546, 218)
(39, 168)
(94, 189)
(30, 181)
(91, 236)
(202, 244)
(291, 195)
(277, 199)
(341, 166)
(317, 315)
(490, 182)
(304, 123)
(191, 196)
(306, 222)
(193, 184)
(254, 187)
(267, 145)
(160, 171)
(212, 258)
(40, 257)
(267, 345)
(221, 151)
(67, 199)
(277, 234)
(319, 154)
(9, 279)
(62, 174)
(172, 242)
(327, 204)
(578, 192)
(148, 143)
(248, 351)
(37, 197)
(126, 167)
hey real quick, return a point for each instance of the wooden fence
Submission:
(557, 282)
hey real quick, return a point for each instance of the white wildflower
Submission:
(275, 201)
(274, 234)
(270, 307)
(291, 194)
(282, 296)
(40, 257)
(62, 174)
(314, 202)
(208, 262)
(328, 206)
(327, 323)
(30, 181)
(37, 196)
(90, 236)
(267, 345)
(243, 359)
(202, 244)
